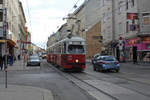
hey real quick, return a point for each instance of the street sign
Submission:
(120, 43)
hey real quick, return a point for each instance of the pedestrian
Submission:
(19, 57)
(5, 57)
(1, 62)
(11, 59)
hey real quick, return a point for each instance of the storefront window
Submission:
(148, 46)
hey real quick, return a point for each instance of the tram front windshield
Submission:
(76, 49)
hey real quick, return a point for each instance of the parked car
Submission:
(94, 57)
(33, 61)
(102, 63)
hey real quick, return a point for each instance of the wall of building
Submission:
(121, 19)
(93, 45)
(79, 29)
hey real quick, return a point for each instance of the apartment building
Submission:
(132, 24)
(51, 40)
(63, 32)
(79, 28)
(13, 19)
(21, 25)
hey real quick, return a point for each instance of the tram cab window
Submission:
(76, 49)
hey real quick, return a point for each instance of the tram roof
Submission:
(69, 39)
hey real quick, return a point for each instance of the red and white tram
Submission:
(68, 54)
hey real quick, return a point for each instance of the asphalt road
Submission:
(46, 77)
(131, 83)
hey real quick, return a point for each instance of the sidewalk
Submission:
(18, 65)
(24, 93)
(15, 92)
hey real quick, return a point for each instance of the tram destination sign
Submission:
(76, 42)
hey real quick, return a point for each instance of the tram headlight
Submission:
(76, 60)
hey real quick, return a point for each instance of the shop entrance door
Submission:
(118, 53)
(134, 54)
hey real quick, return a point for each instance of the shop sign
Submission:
(146, 40)
(132, 16)
(131, 42)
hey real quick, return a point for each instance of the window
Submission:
(121, 31)
(146, 17)
(105, 17)
(1, 1)
(132, 1)
(148, 46)
(120, 6)
(104, 2)
(76, 49)
(127, 27)
(1, 16)
(127, 4)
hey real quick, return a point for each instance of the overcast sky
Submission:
(45, 16)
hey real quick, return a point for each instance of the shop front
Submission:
(137, 49)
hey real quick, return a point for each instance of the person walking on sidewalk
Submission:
(19, 57)
(1, 62)
(11, 59)
(4, 58)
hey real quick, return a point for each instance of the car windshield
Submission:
(109, 58)
(76, 49)
(34, 57)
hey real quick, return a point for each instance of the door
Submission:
(135, 54)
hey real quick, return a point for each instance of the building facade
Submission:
(132, 24)
(13, 25)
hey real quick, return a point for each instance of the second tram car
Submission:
(68, 54)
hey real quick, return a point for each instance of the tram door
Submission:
(134, 54)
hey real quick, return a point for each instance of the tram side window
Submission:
(59, 49)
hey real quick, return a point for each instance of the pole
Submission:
(5, 36)
(113, 25)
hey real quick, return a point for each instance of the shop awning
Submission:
(2, 41)
(11, 42)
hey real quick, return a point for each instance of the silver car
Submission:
(33, 61)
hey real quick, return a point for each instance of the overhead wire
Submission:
(75, 4)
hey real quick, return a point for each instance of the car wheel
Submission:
(117, 70)
(100, 69)
(94, 68)
(27, 64)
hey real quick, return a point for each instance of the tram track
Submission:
(142, 83)
(73, 79)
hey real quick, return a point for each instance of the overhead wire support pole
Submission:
(5, 36)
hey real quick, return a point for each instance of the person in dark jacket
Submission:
(1, 62)
(4, 58)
